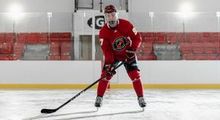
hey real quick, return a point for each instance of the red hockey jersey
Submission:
(115, 42)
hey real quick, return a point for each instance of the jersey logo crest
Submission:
(120, 43)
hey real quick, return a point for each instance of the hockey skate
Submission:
(98, 101)
(141, 102)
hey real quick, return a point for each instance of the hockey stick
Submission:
(48, 111)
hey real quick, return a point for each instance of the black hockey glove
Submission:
(130, 54)
(109, 68)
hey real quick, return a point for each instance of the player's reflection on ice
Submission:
(117, 104)
(84, 114)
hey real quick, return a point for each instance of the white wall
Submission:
(163, 72)
(204, 20)
(36, 19)
(49, 71)
(39, 5)
(164, 20)
(82, 16)
(173, 5)
(176, 72)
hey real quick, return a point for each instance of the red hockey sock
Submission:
(102, 86)
(137, 84)
(138, 87)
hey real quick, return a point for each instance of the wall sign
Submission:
(99, 21)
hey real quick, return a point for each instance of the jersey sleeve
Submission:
(134, 36)
(106, 48)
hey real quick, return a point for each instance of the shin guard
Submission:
(103, 84)
(137, 83)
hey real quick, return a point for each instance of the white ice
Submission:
(163, 104)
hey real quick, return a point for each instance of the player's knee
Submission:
(134, 75)
(106, 77)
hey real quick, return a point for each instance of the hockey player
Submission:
(119, 41)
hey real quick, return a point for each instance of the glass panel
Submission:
(196, 36)
(71, 36)
(36, 36)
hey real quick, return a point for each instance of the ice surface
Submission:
(163, 104)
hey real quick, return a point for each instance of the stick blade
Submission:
(48, 111)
